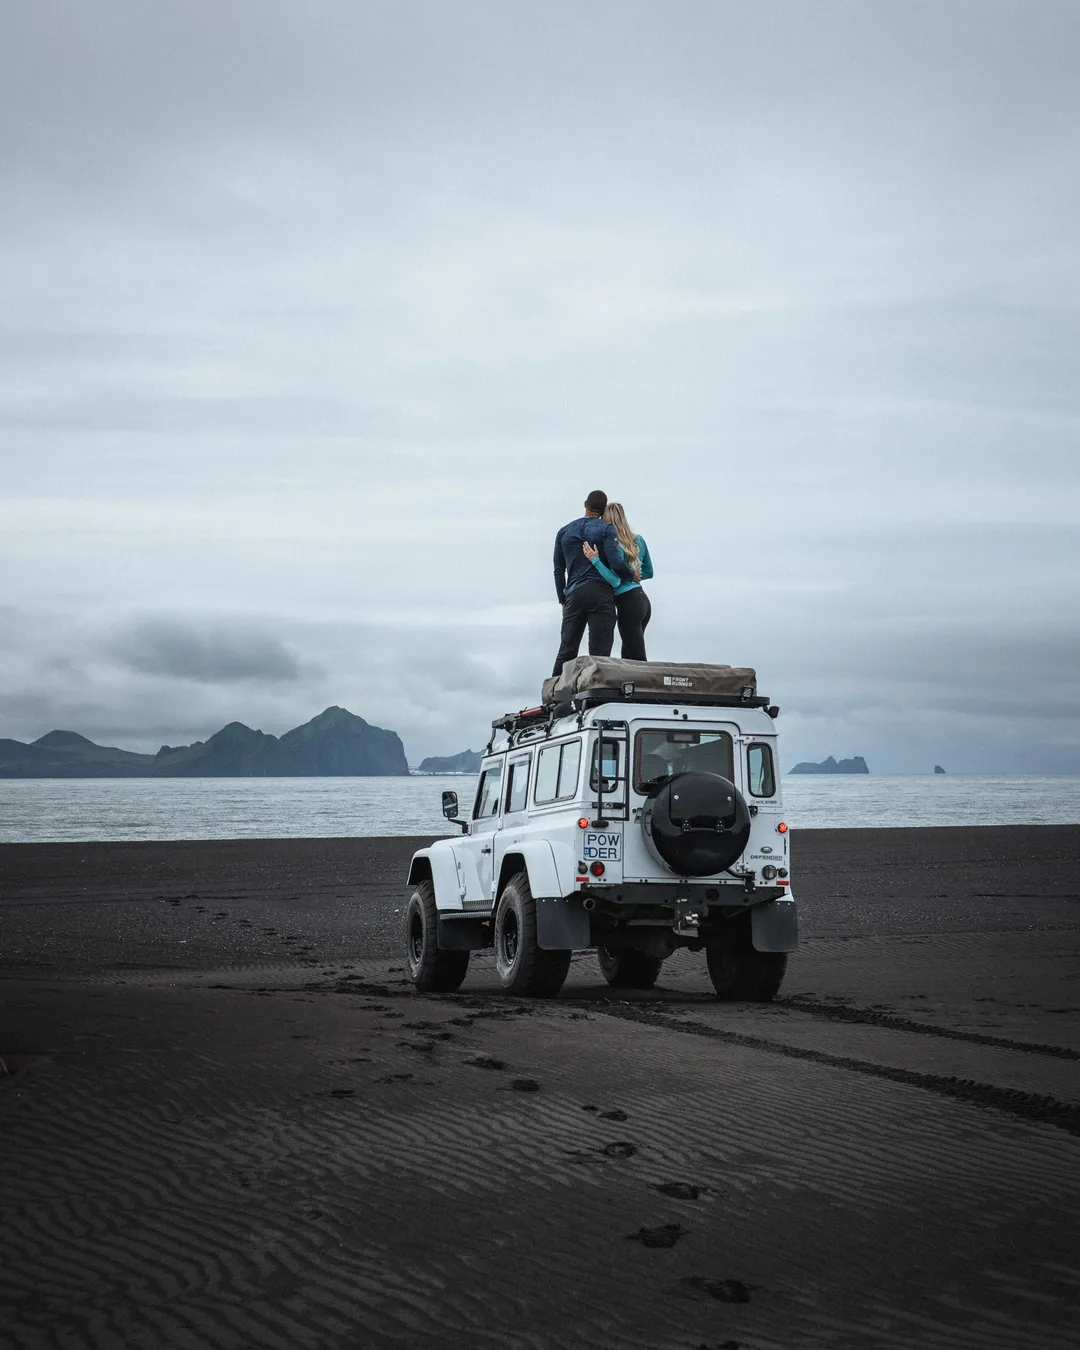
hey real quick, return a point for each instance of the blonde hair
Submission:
(615, 515)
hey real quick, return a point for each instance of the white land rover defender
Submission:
(636, 810)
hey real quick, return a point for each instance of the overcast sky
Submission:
(318, 319)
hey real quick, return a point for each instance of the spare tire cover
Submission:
(696, 824)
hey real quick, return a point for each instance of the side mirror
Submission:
(450, 805)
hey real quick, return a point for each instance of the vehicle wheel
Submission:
(522, 966)
(431, 970)
(739, 972)
(628, 967)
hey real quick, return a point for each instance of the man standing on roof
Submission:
(587, 600)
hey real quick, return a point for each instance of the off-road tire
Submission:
(739, 972)
(431, 971)
(628, 967)
(523, 967)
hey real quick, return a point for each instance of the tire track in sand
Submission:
(836, 1012)
(1033, 1107)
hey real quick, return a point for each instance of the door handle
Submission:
(485, 850)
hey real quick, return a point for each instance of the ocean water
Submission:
(78, 809)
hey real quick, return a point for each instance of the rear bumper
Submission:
(702, 893)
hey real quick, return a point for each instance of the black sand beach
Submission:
(229, 1121)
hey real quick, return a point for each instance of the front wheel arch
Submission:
(419, 870)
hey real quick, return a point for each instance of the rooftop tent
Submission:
(660, 677)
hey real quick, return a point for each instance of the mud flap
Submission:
(561, 924)
(774, 926)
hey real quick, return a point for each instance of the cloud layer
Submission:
(318, 320)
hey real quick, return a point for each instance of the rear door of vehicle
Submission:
(659, 749)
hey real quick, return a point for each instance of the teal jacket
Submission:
(621, 587)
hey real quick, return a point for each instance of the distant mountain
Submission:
(467, 762)
(856, 765)
(337, 743)
(938, 768)
(66, 754)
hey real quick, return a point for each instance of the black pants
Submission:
(592, 605)
(633, 611)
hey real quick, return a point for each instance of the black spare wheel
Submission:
(696, 824)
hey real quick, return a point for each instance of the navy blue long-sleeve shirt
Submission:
(572, 568)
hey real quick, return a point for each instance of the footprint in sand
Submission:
(486, 1062)
(681, 1190)
(619, 1149)
(665, 1235)
(615, 1114)
(525, 1085)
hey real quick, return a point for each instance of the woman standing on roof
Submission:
(632, 608)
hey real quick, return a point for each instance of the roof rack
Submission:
(591, 698)
(546, 713)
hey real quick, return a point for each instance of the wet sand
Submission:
(230, 1122)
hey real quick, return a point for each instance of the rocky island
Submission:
(468, 761)
(337, 743)
(830, 765)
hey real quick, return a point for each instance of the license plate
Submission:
(602, 846)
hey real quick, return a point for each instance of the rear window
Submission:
(660, 753)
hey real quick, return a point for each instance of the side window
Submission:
(568, 769)
(517, 789)
(547, 774)
(487, 792)
(760, 776)
(557, 772)
(612, 758)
